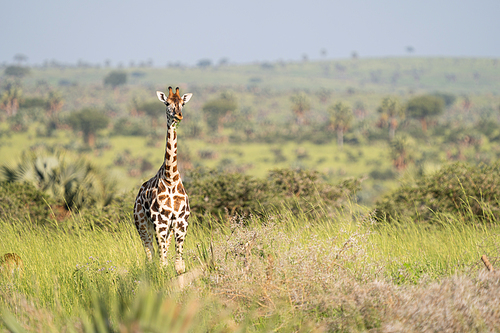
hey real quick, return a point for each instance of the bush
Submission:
(115, 79)
(73, 184)
(22, 201)
(470, 192)
(17, 71)
(217, 193)
(129, 127)
(305, 189)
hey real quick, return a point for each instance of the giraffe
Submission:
(162, 208)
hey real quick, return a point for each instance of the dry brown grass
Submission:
(297, 280)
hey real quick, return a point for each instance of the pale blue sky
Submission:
(244, 31)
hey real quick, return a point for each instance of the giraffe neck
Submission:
(171, 174)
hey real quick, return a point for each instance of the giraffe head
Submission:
(174, 103)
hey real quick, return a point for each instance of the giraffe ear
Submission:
(186, 97)
(161, 96)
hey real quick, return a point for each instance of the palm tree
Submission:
(9, 100)
(75, 184)
(401, 153)
(341, 117)
(54, 103)
(391, 110)
(300, 106)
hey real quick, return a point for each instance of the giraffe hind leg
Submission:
(142, 226)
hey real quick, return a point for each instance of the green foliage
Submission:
(341, 118)
(89, 121)
(115, 79)
(304, 189)
(16, 71)
(300, 106)
(74, 184)
(216, 109)
(33, 102)
(402, 151)
(10, 98)
(151, 109)
(218, 193)
(23, 201)
(447, 98)
(423, 107)
(130, 127)
(391, 111)
(469, 192)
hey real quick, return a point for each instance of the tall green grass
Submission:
(283, 271)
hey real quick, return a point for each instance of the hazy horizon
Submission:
(123, 32)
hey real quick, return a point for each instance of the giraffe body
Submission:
(161, 208)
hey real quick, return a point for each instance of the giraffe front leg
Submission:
(180, 267)
(163, 247)
(180, 231)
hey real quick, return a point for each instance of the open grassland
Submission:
(303, 267)
(282, 272)
(381, 75)
(263, 94)
(254, 159)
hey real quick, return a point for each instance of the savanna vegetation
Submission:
(350, 195)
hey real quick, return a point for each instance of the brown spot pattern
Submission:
(177, 202)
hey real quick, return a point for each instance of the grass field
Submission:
(281, 272)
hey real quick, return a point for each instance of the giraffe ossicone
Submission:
(161, 207)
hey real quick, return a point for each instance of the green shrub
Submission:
(17, 71)
(130, 127)
(23, 201)
(471, 192)
(218, 193)
(215, 192)
(74, 184)
(304, 189)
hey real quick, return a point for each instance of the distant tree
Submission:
(54, 103)
(447, 98)
(32, 102)
(223, 61)
(300, 106)
(16, 71)
(341, 118)
(9, 100)
(424, 107)
(115, 79)
(401, 152)
(216, 109)
(204, 63)
(152, 109)
(89, 121)
(20, 58)
(391, 111)
(324, 94)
